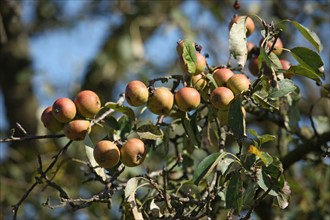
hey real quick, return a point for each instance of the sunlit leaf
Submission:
(309, 35)
(309, 59)
(189, 56)
(89, 148)
(150, 132)
(303, 71)
(206, 166)
(285, 87)
(265, 157)
(130, 189)
(237, 41)
(120, 108)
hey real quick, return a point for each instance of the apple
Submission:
(136, 93)
(161, 101)
(187, 98)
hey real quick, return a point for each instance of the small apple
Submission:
(106, 154)
(187, 98)
(88, 103)
(222, 75)
(133, 152)
(199, 81)
(136, 93)
(161, 101)
(49, 121)
(221, 97)
(77, 129)
(285, 66)
(238, 83)
(64, 110)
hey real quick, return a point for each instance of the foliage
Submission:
(197, 165)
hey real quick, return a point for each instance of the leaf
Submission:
(149, 132)
(309, 59)
(285, 87)
(89, 153)
(237, 41)
(205, 167)
(265, 157)
(303, 71)
(263, 101)
(261, 138)
(234, 194)
(189, 56)
(271, 60)
(236, 118)
(120, 108)
(155, 210)
(130, 189)
(284, 196)
(190, 131)
(249, 193)
(309, 35)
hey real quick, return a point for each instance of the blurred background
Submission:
(54, 48)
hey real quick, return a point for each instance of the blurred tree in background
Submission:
(140, 44)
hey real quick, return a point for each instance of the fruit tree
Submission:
(182, 145)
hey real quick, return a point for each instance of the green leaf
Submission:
(271, 60)
(234, 194)
(309, 59)
(303, 71)
(149, 132)
(285, 87)
(190, 131)
(189, 56)
(309, 35)
(236, 118)
(112, 122)
(206, 166)
(249, 193)
(263, 102)
(265, 157)
(90, 156)
(237, 41)
(120, 108)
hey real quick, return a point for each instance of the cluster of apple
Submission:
(72, 116)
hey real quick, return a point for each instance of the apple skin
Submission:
(221, 97)
(285, 66)
(133, 152)
(222, 75)
(199, 81)
(88, 103)
(250, 26)
(136, 93)
(106, 154)
(77, 129)
(187, 98)
(161, 101)
(238, 83)
(64, 110)
(253, 66)
(200, 63)
(49, 121)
